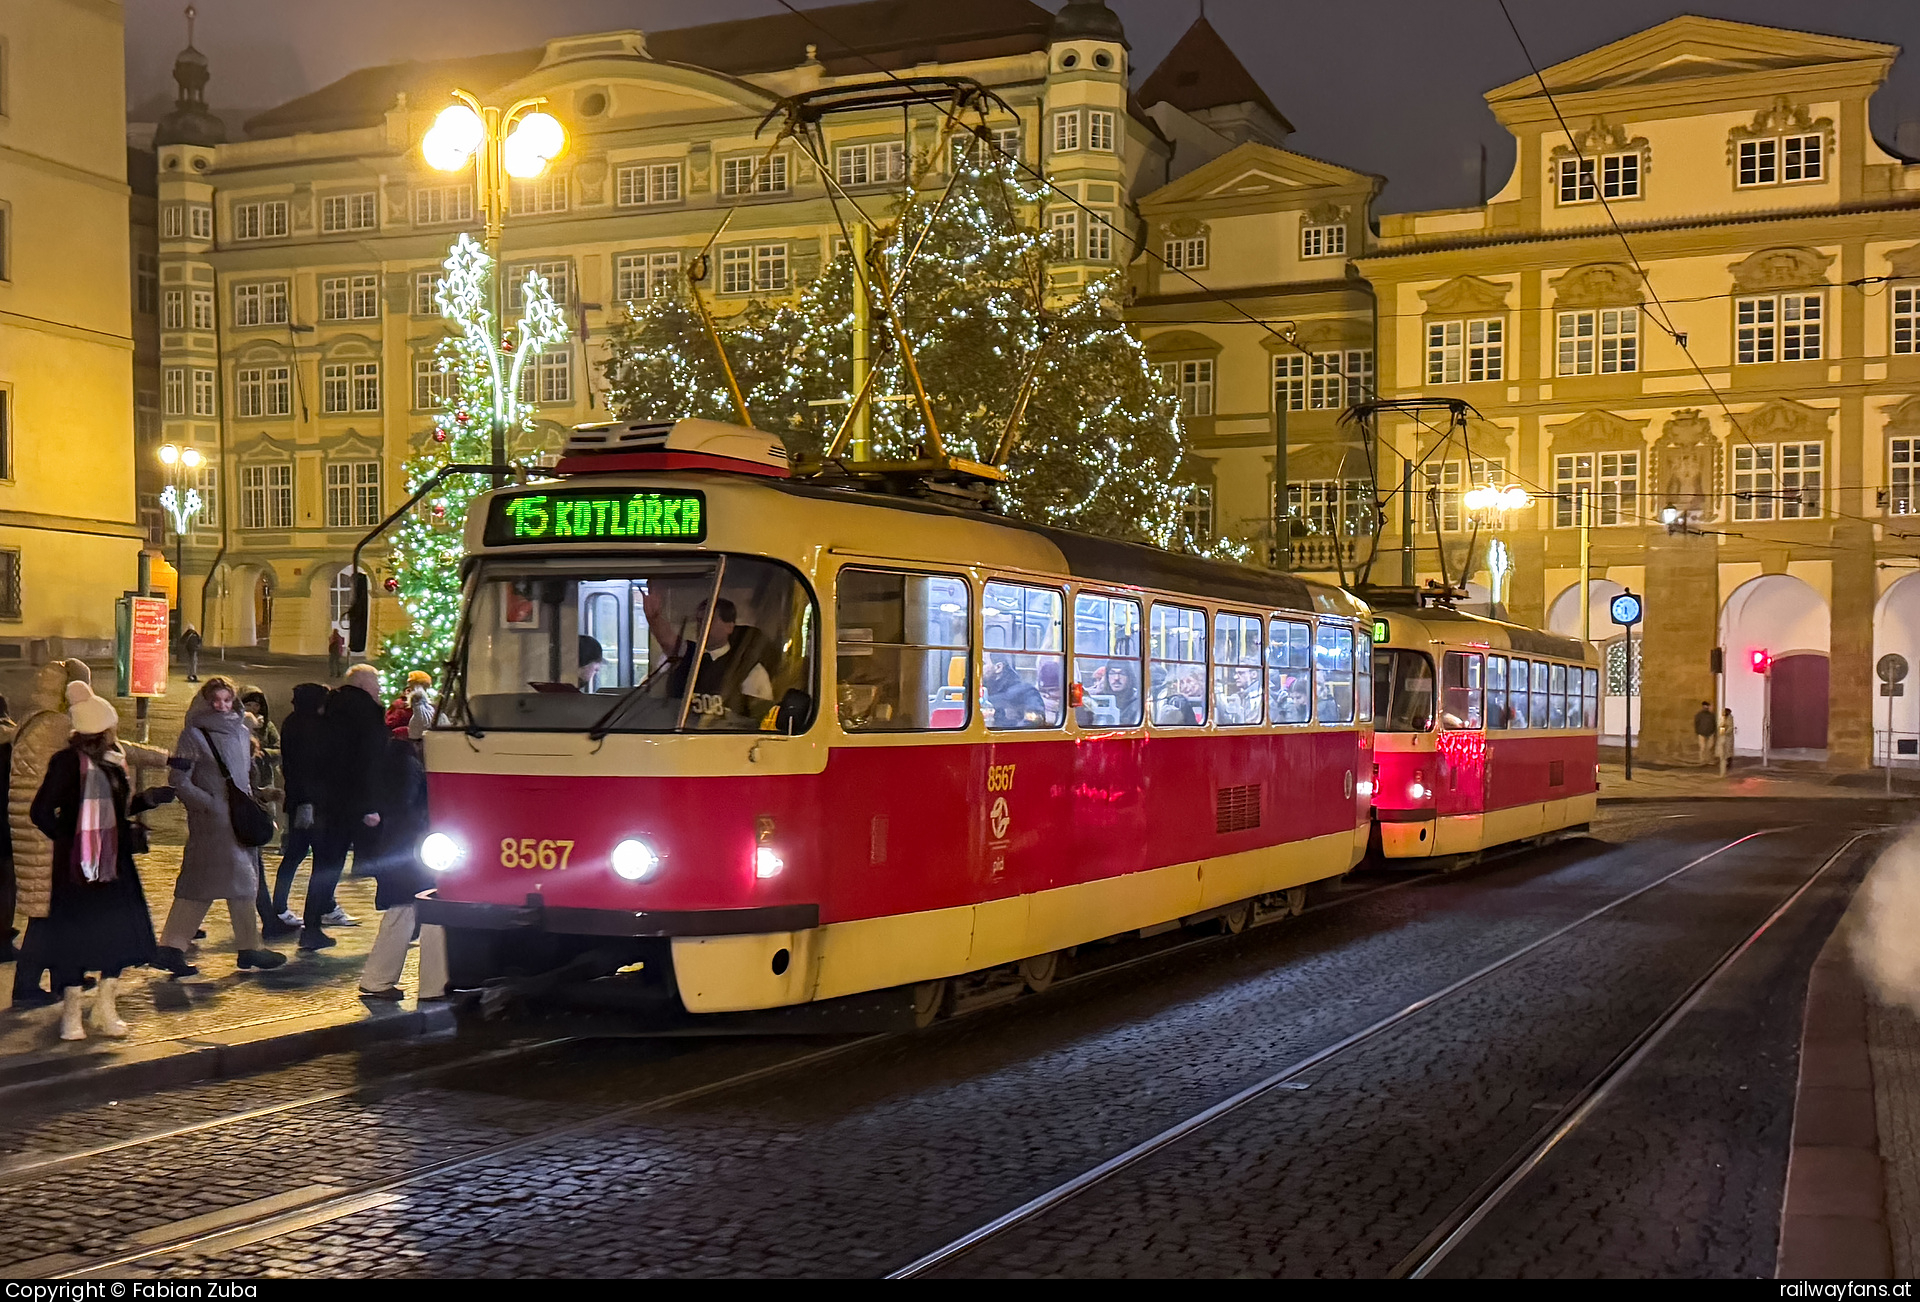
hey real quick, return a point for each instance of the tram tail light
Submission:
(766, 863)
(1418, 789)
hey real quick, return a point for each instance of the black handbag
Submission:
(252, 822)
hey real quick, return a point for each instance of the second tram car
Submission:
(1486, 733)
(763, 742)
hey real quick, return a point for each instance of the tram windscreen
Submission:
(611, 646)
(1402, 691)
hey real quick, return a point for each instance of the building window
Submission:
(350, 298)
(1323, 241)
(558, 275)
(173, 384)
(999, 145)
(1332, 506)
(208, 483)
(1601, 342)
(10, 585)
(1902, 456)
(266, 496)
(366, 386)
(645, 183)
(1192, 383)
(6, 432)
(1610, 482)
(426, 292)
(173, 310)
(640, 276)
(262, 391)
(754, 174)
(1196, 511)
(1612, 176)
(1063, 228)
(1289, 382)
(347, 212)
(335, 388)
(1782, 160)
(549, 378)
(1099, 238)
(753, 268)
(353, 494)
(1777, 328)
(1338, 379)
(541, 195)
(1066, 132)
(203, 382)
(1785, 475)
(173, 221)
(874, 164)
(431, 385)
(1185, 254)
(1447, 485)
(1465, 352)
(146, 277)
(1100, 133)
(261, 304)
(452, 203)
(256, 221)
(203, 309)
(1906, 319)
(200, 220)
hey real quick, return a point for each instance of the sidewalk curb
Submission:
(114, 1069)
(1833, 1219)
(1758, 795)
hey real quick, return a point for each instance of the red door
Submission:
(1799, 703)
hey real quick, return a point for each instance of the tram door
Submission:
(614, 615)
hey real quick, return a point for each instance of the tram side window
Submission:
(1023, 677)
(1496, 676)
(1237, 688)
(1333, 673)
(1289, 671)
(1557, 702)
(1460, 690)
(1177, 668)
(1590, 700)
(1363, 677)
(1106, 661)
(905, 651)
(1517, 709)
(1403, 691)
(1542, 700)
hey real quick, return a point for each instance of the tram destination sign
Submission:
(581, 515)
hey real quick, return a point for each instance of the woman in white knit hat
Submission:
(97, 919)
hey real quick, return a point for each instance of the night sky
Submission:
(1389, 86)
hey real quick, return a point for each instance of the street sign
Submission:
(1891, 668)
(1625, 610)
(1893, 689)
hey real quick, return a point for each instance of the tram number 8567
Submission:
(529, 853)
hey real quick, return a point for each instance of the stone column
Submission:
(1850, 682)
(1676, 673)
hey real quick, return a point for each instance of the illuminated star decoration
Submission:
(180, 508)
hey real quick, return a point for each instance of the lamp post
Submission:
(181, 502)
(504, 145)
(1494, 504)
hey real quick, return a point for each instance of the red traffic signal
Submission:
(1760, 661)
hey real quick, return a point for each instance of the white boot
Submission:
(106, 1017)
(70, 1012)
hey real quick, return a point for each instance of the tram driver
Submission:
(732, 681)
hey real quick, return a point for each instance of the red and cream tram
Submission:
(775, 742)
(1486, 732)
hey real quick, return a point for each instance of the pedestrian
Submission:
(266, 767)
(190, 651)
(1705, 728)
(1724, 742)
(401, 793)
(301, 764)
(406, 704)
(8, 888)
(212, 765)
(97, 919)
(336, 654)
(347, 814)
(421, 715)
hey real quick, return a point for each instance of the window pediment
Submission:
(1464, 295)
(1905, 262)
(1181, 343)
(1599, 138)
(1326, 214)
(1782, 117)
(1782, 268)
(1905, 420)
(1186, 228)
(1598, 284)
(1327, 459)
(351, 444)
(263, 448)
(1598, 431)
(1785, 420)
(1338, 331)
(1482, 439)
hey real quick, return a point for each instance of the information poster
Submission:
(149, 658)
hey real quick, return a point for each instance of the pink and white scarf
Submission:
(96, 839)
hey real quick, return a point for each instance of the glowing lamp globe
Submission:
(190, 457)
(537, 140)
(450, 142)
(169, 454)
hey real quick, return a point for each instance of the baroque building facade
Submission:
(298, 265)
(68, 537)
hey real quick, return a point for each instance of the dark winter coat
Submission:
(402, 801)
(356, 736)
(303, 744)
(215, 865)
(91, 926)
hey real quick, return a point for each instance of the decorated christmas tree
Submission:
(483, 385)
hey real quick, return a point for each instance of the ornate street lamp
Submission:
(1494, 505)
(181, 502)
(504, 145)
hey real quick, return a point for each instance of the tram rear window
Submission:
(722, 644)
(1402, 691)
(1461, 692)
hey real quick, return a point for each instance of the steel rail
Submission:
(1173, 1134)
(1453, 1230)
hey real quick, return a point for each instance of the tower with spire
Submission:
(1203, 99)
(191, 122)
(1089, 142)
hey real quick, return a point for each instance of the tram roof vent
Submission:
(672, 445)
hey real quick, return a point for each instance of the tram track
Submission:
(1468, 1214)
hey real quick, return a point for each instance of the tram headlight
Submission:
(1417, 791)
(439, 851)
(766, 862)
(635, 860)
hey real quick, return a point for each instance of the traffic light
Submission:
(1760, 661)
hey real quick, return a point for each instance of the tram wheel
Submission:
(1235, 919)
(1296, 898)
(1039, 971)
(929, 1002)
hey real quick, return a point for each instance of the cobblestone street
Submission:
(771, 1157)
